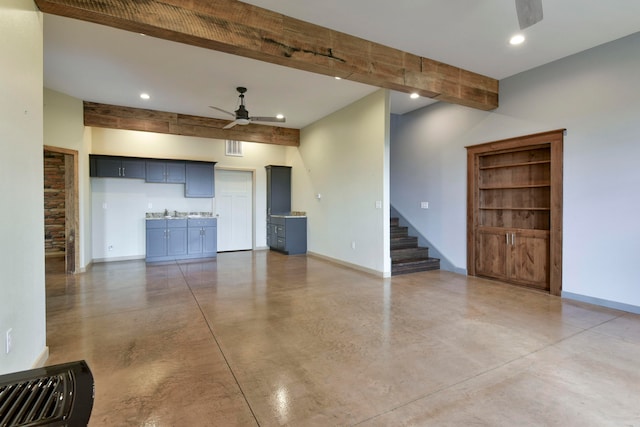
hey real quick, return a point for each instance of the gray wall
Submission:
(595, 95)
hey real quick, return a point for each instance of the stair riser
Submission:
(412, 253)
(413, 270)
(399, 233)
(406, 243)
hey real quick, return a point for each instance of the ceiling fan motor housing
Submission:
(242, 113)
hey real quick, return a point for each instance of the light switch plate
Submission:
(424, 205)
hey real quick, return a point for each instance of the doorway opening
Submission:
(234, 209)
(61, 209)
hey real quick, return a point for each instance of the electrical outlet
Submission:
(110, 247)
(9, 340)
(353, 244)
(424, 205)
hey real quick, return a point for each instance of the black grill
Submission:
(59, 395)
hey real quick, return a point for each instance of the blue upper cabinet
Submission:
(166, 171)
(199, 179)
(116, 167)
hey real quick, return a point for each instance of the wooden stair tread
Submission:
(406, 255)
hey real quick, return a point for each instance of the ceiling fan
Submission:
(241, 115)
(529, 12)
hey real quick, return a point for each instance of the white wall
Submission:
(343, 158)
(22, 292)
(127, 200)
(64, 128)
(595, 95)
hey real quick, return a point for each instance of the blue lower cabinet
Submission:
(287, 234)
(203, 237)
(176, 239)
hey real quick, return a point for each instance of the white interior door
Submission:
(234, 205)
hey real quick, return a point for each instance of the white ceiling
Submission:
(102, 64)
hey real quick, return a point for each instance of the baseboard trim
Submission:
(42, 358)
(602, 302)
(120, 258)
(349, 265)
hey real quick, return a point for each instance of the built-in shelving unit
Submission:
(515, 210)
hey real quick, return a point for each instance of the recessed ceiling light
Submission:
(517, 39)
(338, 78)
(414, 96)
(144, 96)
(280, 116)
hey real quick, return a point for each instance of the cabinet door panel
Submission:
(175, 172)
(530, 263)
(155, 171)
(156, 242)
(210, 241)
(195, 240)
(133, 168)
(491, 251)
(108, 167)
(199, 180)
(177, 241)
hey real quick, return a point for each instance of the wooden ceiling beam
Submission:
(128, 118)
(242, 29)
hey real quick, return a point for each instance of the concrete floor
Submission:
(258, 338)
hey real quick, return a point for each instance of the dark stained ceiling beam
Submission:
(242, 29)
(128, 118)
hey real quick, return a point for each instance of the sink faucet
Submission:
(166, 212)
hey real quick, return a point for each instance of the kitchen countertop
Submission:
(179, 215)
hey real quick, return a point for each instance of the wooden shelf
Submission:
(514, 165)
(513, 209)
(516, 186)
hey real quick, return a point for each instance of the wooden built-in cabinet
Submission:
(515, 210)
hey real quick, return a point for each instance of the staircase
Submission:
(406, 255)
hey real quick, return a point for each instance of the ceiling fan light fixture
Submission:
(516, 40)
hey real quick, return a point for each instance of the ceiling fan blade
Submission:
(268, 119)
(230, 125)
(529, 12)
(224, 111)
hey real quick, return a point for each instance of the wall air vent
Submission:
(234, 148)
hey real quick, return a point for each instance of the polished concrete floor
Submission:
(258, 338)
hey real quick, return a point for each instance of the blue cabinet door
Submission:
(195, 240)
(199, 179)
(209, 241)
(156, 242)
(176, 241)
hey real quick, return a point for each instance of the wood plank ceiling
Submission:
(242, 29)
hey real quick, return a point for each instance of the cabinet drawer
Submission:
(156, 223)
(277, 220)
(206, 222)
(280, 230)
(177, 223)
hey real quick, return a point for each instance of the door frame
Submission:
(554, 139)
(253, 198)
(72, 207)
